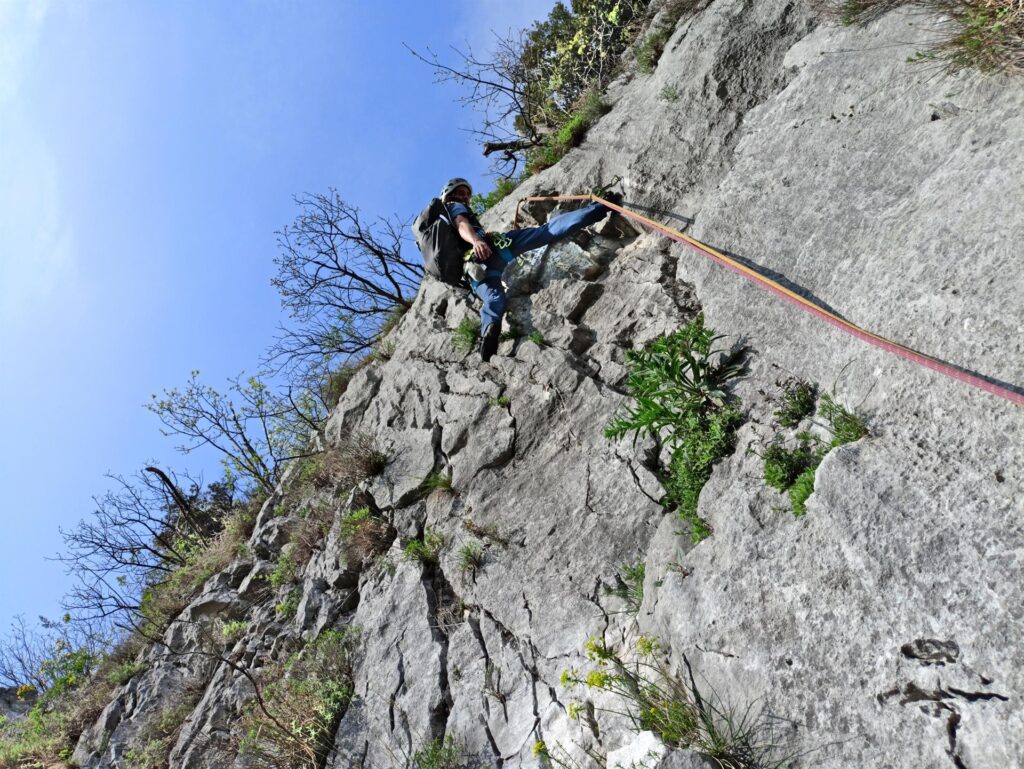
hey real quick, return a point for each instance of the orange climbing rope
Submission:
(999, 390)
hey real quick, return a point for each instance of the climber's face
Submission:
(461, 194)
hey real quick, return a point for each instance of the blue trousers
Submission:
(490, 289)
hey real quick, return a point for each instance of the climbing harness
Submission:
(907, 353)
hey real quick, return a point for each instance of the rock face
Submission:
(881, 629)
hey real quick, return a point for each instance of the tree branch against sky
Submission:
(340, 277)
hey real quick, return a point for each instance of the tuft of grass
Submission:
(630, 585)
(987, 35)
(801, 489)
(798, 399)
(649, 51)
(537, 338)
(471, 558)
(489, 532)
(677, 711)
(355, 458)
(569, 134)
(502, 400)
(466, 336)
(436, 481)
(425, 550)
(845, 426)
(364, 535)
(651, 48)
(669, 93)
(439, 754)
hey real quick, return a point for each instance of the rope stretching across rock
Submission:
(803, 303)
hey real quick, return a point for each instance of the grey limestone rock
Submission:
(882, 628)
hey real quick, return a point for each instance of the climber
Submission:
(492, 252)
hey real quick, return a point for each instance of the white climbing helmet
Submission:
(452, 184)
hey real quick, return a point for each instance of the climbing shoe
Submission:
(489, 339)
(613, 197)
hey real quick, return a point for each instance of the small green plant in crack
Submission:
(425, 550)
(677, 711)
(801, 489)
(669, 93)
(782, 466)
(284, 570)
(466, 335)
(798, 399)
(436, 481)
(489, 532)
(502, 401)
(471, 558)
(440, 753)
(537, 338)
(845, 426)
(629, 586)
(287, 608)
(234, 629)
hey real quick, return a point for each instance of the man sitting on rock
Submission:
(494, 255)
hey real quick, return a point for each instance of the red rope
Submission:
(1001, 391)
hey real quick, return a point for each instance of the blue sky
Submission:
(148, 152)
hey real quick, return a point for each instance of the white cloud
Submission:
(20, 24)
(36, 246)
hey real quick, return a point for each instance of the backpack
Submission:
(443, 250)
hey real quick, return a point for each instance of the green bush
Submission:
(793, 469)
(465, 337)
(287, 608)
(124, 672)
(284, 570)
(703, 440)
(569, 134)
(678, 384)
(234, 629)
(537, 338)
(303, 701)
